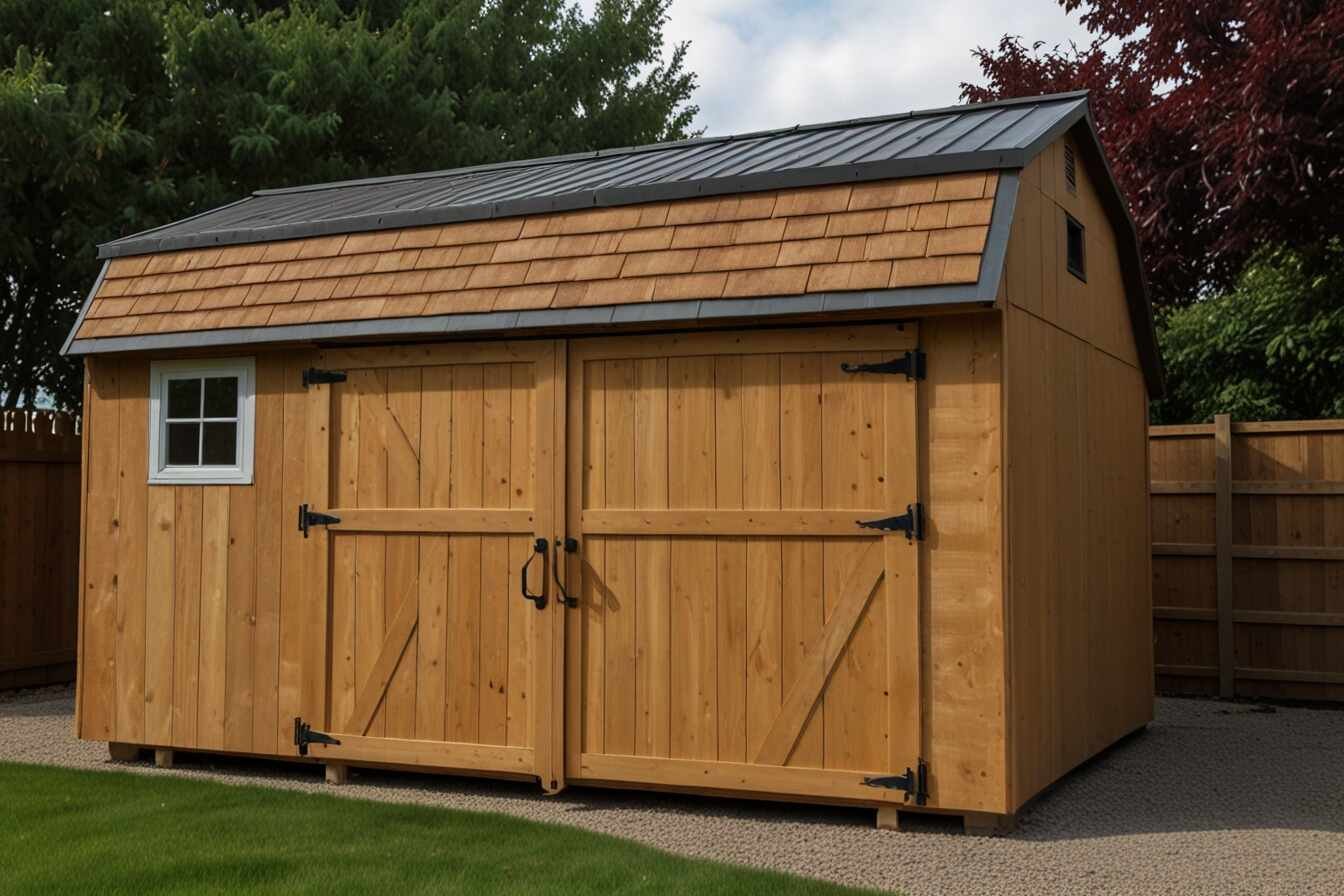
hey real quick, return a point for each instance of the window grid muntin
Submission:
(201, 420)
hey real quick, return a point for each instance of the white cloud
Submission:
(766, 64)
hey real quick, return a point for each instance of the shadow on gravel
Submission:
(1203, 766)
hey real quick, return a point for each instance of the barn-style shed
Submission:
(807, 465)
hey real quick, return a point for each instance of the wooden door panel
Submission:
(440, 493)
(733, 615)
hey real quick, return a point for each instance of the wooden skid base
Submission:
(123, 752)
(974, 824)
(164, 758)
(338, 773)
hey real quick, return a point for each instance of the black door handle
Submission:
(571, 546)
(539, 547)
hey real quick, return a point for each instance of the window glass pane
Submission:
(221, 444)
(221, 396)
(184, 398)
(183, 444)
(1076, 257)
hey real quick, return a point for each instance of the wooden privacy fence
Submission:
(1248, 558)
(39, 547)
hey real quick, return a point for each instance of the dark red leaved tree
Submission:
(1223, 121)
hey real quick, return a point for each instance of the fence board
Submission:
(39, 532)
(1248, 558)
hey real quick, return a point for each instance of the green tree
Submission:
(120, 115)
(1269, 348)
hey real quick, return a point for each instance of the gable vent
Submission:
(1070, 169)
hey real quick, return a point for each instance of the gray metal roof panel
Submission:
(909, 144)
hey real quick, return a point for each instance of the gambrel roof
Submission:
(887, 212)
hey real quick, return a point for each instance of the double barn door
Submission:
(729, 626)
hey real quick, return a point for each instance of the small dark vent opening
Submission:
(1077, 257)
(1070, 169)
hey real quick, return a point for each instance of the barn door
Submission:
(443, 468)
(737, 628)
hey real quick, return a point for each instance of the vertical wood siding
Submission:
(187, 640)
(1075, 406)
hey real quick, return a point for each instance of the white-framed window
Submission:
(200, 421)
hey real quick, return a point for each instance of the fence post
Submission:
(1222, 450)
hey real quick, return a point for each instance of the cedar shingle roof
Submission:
(926, 231)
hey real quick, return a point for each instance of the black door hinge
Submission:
(911, 523)
(912, 364)
(305, 735)
(313, 518)
(313, 376)
(915, 782)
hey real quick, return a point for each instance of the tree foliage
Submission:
(120, 115)
(1269, 348)
(1223, 120)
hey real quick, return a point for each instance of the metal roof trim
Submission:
(482, 324)
(84, 309)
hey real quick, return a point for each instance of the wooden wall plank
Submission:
(620, 613)
(521, 494)
(653, 569)
(160, 641)
(691, 461)
(802, 610)
(272, 518)
(731, 566)
(371, 598)
(464, 559)
(98, 672)
(404, 389)
(761, 404)
(240, 629)
(591, 726)
(315, 553)
(495, 594)
(436, 415)
(133, 463)
(213, 656)
(294, 462)
(188, 510)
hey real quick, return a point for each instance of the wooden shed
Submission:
(805, 465)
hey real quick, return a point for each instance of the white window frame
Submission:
(160, 473)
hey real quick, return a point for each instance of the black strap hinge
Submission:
(915, 782)
(305, 735)
(313, 518)
(313, 376)
(912, 364)
(911, 523)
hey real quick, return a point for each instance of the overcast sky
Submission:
(775, 63)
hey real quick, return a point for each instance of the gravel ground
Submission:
(1213, 798)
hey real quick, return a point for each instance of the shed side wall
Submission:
(1078, 587)
(186, 641)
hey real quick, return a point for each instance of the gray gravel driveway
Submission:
(1212, 799)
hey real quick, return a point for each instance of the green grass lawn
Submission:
(114, 832)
